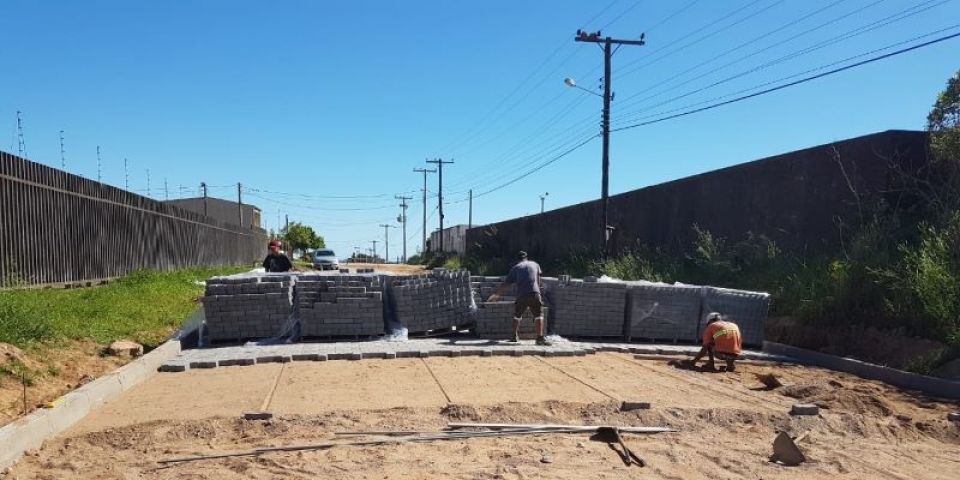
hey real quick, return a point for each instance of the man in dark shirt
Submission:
(276, 261)
(526, 276)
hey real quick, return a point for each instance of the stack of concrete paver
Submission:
(495, 319)
(747, 309)
(657, 311)
(339, 305)
(437, 300)
(588, 309)
(247, 306)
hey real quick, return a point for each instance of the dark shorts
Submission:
(531, 301)
(726, 356)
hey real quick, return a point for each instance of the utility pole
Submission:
(286, 223)
(542, 198)
(403, 220)
(386, 241)
(470, 212)
(423, 246)
(440, 163)
(240, 203)
(166, 191)
(203, 186)
(126, 176)
(21, 145)
(148, 177)
(100, 170)
(63, 156)
(607, 42)
(374, 258)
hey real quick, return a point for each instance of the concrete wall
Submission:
(220, 209)
(797, 199)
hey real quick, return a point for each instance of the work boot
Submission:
(541, 340)
(515, 338)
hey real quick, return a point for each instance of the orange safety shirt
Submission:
(723, 336)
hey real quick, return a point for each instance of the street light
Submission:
(573, 84)
(544, 196)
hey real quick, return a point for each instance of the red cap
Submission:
(275, 243)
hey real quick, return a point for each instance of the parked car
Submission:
(325, 260)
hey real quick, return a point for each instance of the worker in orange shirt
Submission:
(721, 338)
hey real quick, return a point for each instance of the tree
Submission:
(301, 237)
(943, 123)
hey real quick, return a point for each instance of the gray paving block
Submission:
(203, 364)
(169, 367)
(804, 409)
(236, 362)
(305, 357)
(273, 359)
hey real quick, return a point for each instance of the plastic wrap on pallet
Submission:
(657, 311)
(437, 300)
(747, 309)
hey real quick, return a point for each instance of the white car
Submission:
(325, 260)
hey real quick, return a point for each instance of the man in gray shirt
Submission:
(526, 276)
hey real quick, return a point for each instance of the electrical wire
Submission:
(716, 57)
(800, 74)
(790, 84)
(901, 15)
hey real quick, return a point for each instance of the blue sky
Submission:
(308, 102)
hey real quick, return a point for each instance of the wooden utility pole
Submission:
(240, 203)
(403, 220)
(440, 163)
(386, 241)
(423, 246)
(470, 211)
(607, 43)
(203, 186)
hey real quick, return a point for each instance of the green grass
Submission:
(145, 307)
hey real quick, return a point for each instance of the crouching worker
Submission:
(526, 276)
(721, 339)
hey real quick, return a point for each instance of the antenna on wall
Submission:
(21, 145)
(99, 164)
(63, 157)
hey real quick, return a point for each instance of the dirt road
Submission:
(866, 429)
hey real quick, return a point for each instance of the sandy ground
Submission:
(55, 370)
(866, 429)
(386, 267)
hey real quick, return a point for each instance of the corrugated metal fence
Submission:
(56, 227)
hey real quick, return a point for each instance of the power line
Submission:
(791, 84)
(923, 6)
(799, 74)
(713, 58)
(325, 197)
(478, 127)
(625, 68)
(538, 167)
(316, 207)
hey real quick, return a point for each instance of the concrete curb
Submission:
(937, 387)
(31, 431)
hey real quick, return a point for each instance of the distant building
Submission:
(454, 240)
(220, 209)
